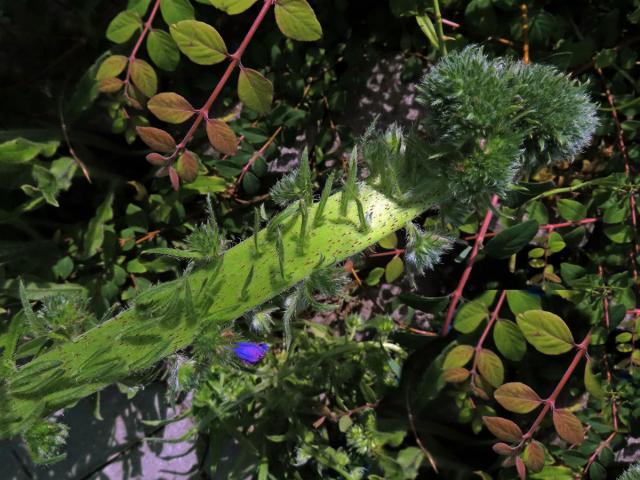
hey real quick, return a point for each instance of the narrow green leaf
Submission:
(571, 210)
(509, 340)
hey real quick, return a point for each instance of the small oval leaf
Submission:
(222, 137)
(200, 42)
(517, 397)
(456, 375)
(509, 340)
(568, 426)
(512, 240)
(470, 316)
(144, 77)
(187, 166)
(175, 10)
(162, 50)
(157, 139)
(490, 367)
(458, 357)
(171, 107)
(110, 85)
(503, 428)
(123, 26)
(255, 91)
(533, 456)
(111, 67)
(546, 331)
(297, 20)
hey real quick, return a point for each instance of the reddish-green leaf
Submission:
(144, 77)
(458, 357)
(517, 397)
(502, 449)
(157, 139)
(546, 331)
(187, 166)
(255, 91)
(110, 85)
(490, 367)
(296, 20)
(222, 137)
(533, 456)
(521, 468)
(199, 41)
(503, 428)
(123, 25)
(171, 107)
(568, 426)
(175, 179)
(156, 159)
(456, 375)
(111, 67)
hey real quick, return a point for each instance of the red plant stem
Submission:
(487, 329)
(395, 252)
(627, 170)
(258, 154)
(550, 403)
(145, 31)
(235, 61)
(548, 227)
(605, 443)
(634, 311)
(457, 294)
(450, 23)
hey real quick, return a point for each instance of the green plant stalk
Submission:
(441, 45)
(169, 317)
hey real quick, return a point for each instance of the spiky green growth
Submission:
(478, 130)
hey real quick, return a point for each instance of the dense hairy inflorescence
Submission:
(484, 121)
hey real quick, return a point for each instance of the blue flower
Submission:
(250, 352)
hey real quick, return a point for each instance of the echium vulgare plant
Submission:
(486, 121)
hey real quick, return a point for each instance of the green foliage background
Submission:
(386, 412)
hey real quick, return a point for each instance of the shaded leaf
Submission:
(221, 137)
(568, 426)
(490, 367)
(509, 340)
(592, 381)
(200, 42)
(171, 107)
(297, 20)
(517, 397)
(512, 240)
(571, 210)
(503, 428)
(162, 50)
(394, 269)
(157, 139)
(546, 331)
(255, 91)
(187, 166)
(521, 301)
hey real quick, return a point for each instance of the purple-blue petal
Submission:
(250, 352)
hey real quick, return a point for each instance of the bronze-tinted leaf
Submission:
(503, 428)
(171, 107)
(534, 456)
(502, 449)
(187, 166)
(144, 77)
(568, 426)
(110, 85)
(517, 397)
(222, 137)
(490, 367)
(458, 357)
(521, 468)
(175, 179)
(156, 159)
(111, 67)
(157, 139)
(456, 375)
